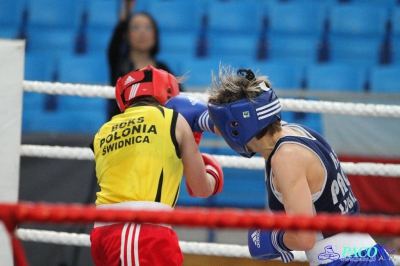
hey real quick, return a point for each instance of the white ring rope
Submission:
(287, 104)
(228, 161)
(197, 248)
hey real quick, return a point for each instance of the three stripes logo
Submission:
(256, 238)
(268, 110)
(129, 79)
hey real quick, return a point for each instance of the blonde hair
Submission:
(229, 87)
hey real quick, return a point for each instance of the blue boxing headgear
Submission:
(240, 121)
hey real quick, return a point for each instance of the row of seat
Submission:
(187, 15)
(249, 17)
(323, 76)
(294, 16)
(93, 69)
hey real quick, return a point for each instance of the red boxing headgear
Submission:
(148, 81)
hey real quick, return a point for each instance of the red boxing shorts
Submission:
(133, 244)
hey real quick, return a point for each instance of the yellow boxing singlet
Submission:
(137, 157)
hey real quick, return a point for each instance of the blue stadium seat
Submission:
(297, 18)
(98, 41)
(102, 14)
(282, 74)
(10, 32)
(59, 14)
(198, 70)
(355, 19)
(141, 6)
(52, 26)
(395, 21)
(85, 69)
(33, 101)
(396, 53)
(102, 18)
(385, 79)
(335, 77)
(176, 16)
(178, 43)
(68, 102)
(173, 61)
(233, 45)
(383, 3)
(354, 50)
(52, 42)
(39, 67)
(71, 121)
(300, 49)
(11, 13)
(235, 17)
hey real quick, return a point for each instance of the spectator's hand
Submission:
(127, 8)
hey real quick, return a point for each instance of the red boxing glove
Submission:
(213, 168)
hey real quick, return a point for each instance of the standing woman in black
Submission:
(134, 45)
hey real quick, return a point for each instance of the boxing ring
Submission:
(23, 212)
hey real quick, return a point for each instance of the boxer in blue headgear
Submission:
(302, 173)
(239, 121)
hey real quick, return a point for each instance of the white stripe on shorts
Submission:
(121, 255)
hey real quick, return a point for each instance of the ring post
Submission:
(11, 76)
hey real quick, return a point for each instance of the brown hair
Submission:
(270, 129)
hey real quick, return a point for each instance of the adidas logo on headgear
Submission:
(129, 79)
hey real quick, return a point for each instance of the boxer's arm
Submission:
(199, 181)
(294, 187)
(193, 110)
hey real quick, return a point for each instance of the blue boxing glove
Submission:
(268, 245)
(193, 110)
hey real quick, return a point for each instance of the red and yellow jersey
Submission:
(137, 157)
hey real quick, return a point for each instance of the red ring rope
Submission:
(12, 214)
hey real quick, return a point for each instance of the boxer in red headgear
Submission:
(141, 155)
